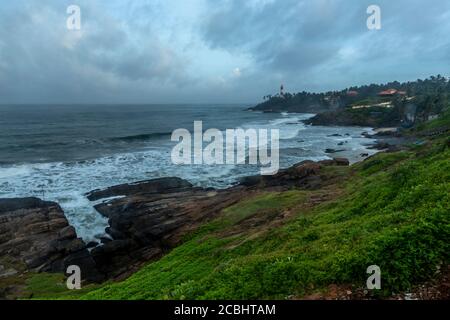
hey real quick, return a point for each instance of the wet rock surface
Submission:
(151, 219)
(36, 236)
(155, 215)
(146, 219)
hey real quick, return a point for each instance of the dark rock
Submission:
(335, 162)
(13, 204)
(36, 235)
(87, 265)
(105, 239)
(380, 145)
(345, 117)
(115, 234)
(92, 244)
(329, 150)
(305, 174)
(250, 181)
(388, 133)
(164, 185)
(67, 233)
(152, 217)
(155, 216)
(341, 161)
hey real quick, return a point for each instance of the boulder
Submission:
(152, 218)
(380, 145)
(36, 236)
(335, 162)
(330, 150)
(165, 185)
(305, 174)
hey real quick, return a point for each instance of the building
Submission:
(391, 93)
(388, 93)
(352, 93)
(433, 117)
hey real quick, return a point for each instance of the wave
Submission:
(142, 137)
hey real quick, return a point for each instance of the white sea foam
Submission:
(67, 182)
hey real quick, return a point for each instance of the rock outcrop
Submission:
(146, 219)
(36, 236)
(362, 117)
(305, 175)
(152, 218)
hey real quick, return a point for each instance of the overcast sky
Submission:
(200, 51)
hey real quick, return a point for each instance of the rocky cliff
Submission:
(147, 220)
(36, 236)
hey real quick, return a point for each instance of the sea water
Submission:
(61, 152)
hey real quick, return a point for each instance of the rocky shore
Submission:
(154, 216)
(361, 117)
(148, 219)
(36, 236)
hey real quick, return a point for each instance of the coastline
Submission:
(112, 253)
(66, 182)
(148, 219)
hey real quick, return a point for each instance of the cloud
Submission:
(212, 51)
(44, 60)
(312, 42)
(237, 72)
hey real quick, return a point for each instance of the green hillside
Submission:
(392, 210)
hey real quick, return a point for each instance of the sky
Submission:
(212, 51)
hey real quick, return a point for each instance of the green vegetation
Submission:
(371, 117)
(392, 210)
(443, 120)
(42, 286)
(419, 100)
(395, 213)
(48, 285)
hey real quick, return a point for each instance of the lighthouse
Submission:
(281, 90)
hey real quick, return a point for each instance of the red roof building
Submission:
(388, 93)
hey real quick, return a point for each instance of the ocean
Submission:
(61, 152)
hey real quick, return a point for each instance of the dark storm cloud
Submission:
(289, 37)
(205, 50)
(42, 61)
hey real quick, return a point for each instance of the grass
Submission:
(42, 286)
(393, 212)
(443, 120)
